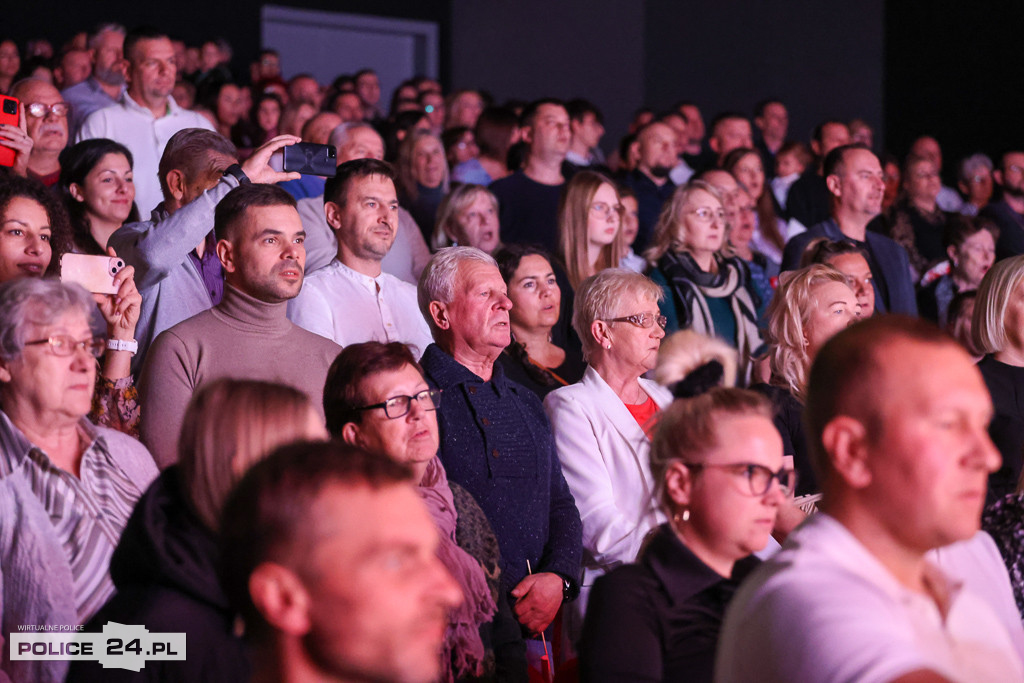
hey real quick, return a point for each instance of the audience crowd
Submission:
(488, 403)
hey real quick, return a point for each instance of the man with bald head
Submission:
(891, 580)
(730, 131)
(147, 116)
(656, 145)
(409, 253)
(853, 176)
(318, 131)
(38, 147)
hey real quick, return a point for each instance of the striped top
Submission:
(88, 513)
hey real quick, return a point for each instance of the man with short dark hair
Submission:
(681, 172)
(528, 199)
(587, 127)
(174, 252)
(368, 91)
(331, 558)
(656, 149)
(407, 255)
(808, 199)
(891, 580)
(248, 333)
(853, 176)
(1008, 212)
(729, 131)
(106, 84)
(772, 121)
(74, 67)
(147, 116)
(352, 300)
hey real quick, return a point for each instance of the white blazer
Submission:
(605, 459)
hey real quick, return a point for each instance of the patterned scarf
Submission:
(463, 636)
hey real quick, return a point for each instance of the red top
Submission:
(645, 415)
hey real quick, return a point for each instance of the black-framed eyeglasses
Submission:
(39, 110)
(758, 477)
(65, 345)
(643, 320)
(399, 406)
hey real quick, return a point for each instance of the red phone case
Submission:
(6, 153)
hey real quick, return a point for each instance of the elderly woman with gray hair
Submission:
(602, 423)
(67, 487)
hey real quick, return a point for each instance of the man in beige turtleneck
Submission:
(247, 334)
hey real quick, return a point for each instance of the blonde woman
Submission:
(422, 178)
(998, 329)
(811, 305)
(590, 234)
(468, 217)
(166, 565)
(705, 290)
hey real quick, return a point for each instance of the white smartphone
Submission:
(95, 273)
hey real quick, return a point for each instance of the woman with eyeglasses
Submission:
(590, 235)
(602, 423)
(705, 290)
(534, 358)
(376, 398)
(718, 463)
(67, 486)
(34, 233)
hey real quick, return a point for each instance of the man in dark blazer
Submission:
(854, 178)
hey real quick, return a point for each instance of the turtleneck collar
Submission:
(248, 314)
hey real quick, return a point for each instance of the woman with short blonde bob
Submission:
(811, 305)
(721, 481)
(468, 217)
(998, 330)
(166, 565)
(590, 235)
(704, 289)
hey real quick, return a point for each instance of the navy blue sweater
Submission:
(496, 443)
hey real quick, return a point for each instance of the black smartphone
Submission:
(311, 159)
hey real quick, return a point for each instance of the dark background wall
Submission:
(954, 70)
(947, 67)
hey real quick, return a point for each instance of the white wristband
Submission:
(131, 346)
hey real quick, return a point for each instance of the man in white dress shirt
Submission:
(897, 416)
(147, 116)
(352, 300)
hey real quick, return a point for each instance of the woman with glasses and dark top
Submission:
(602, 423)
(720, 480)
(376, 398)
(533, 359)
(704, 290)
(34, 233)
(67, 486)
